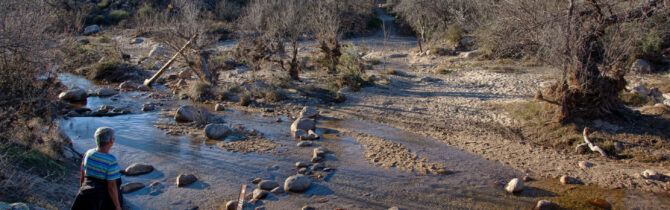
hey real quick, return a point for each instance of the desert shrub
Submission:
(103, 4)
(273, 95)
(200, 91)
(351, 71)
(146, 10)
(118, 15)
(115, 71)
(454, 33)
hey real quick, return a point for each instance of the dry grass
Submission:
(632, 99)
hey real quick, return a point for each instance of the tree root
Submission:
(592, 146)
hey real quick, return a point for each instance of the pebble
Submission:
(256, 180)
(514, 186)
(565, 179)
(543, 205)
(650, 174)
(302, 170)
(585, 164)
(185, 180)
(308, 208)
(304, 144)
(131, 187)
(219, 107)
(278, 190)
(268, 185)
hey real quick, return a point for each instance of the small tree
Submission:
(325, 24)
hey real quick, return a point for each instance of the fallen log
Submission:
(592, 146)
(148, 82)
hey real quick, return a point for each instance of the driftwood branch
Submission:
(592, 146)
(148, 82)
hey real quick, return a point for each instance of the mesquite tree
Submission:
(589, 53)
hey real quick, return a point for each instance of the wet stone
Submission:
(231, 205)
(304, 144)
(308, 208)
(600, 203)
(185, 180)
(543, 205)
(302, 170)
(131, 187)
(138, 169)
(514, 186)
(256, 180)
(277, 190)
(301, 165)
(297, 183)
(267, 184)
(585, 164)
(259, 194)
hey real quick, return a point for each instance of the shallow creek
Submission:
(354, 184)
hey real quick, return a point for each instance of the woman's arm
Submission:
(111, 188)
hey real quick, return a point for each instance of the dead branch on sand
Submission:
(592, 146)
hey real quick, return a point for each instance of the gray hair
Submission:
(103, 136)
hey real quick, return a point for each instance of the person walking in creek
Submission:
(100, 178)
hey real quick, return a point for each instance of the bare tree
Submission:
(325, 23)
(272, 23)
(177, 25)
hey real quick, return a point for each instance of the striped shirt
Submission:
(100, 165)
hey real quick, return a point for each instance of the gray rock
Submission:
(317, 167)
(190, 114)
(259, 194)
(651, 174)
(641, 66)
(316, 159)
(297, 183)
(219, 107)
(543, 205)
(217, 131)
(396, 208)
(303, 124)
(231, 205)
(304, 144)
(302, 171)
(656, 95)
(267, 184)
(159, 50)
(106, 92)
(514, 186)
(138, 169)
(277, 190)
(131, 187)
(308, 208)
(74, 95)
(585, 164)
(92, 29)
(640, 90)
(148, 107)
(184, 180)
(309, 112)
(301, 165)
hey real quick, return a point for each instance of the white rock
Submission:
(514, 186)
(650, 174)
(92, 29)
(303, 124)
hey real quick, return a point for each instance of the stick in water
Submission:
(240, 201)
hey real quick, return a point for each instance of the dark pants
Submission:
(93, 195)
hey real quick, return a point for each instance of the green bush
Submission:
(351, 70)
(632, 99)
(103, 4)
(117, 15)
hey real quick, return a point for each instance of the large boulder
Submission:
(184, 180)
(190, 114)
(138, 169)
(641, 66)
(303, 124)
(309, 112)
(74, 95)
(297, 183)
(217, 131)
(92, 29)
(514, 186)
(131, 187)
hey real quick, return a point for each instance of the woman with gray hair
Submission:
(100, 177)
